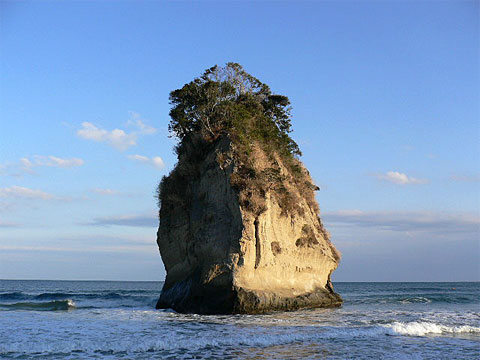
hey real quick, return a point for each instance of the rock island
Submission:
(240, 230)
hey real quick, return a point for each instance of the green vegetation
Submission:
(228, 100)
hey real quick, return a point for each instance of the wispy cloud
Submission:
(26, 193)
(96, 249)
(399, 178)
(105, 191)
(155, 161)
(136, 120)
(117, 138)
(142, 220)
(7, 224)
(465, 178)
(82, 243)
(52, 161)
(26, 164)
(408, 221)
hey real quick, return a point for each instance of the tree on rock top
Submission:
(228, 100)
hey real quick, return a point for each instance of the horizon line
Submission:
(395, 281)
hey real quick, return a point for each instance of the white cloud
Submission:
(117, 138)
(139, 158)
(400, 178)
(23, 192)
(155, 161)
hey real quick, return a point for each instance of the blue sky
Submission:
(385, 103)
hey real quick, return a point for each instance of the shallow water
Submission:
(115, 320)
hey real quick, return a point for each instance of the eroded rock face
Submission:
(221, 257)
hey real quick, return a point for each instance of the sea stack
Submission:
(240, 230)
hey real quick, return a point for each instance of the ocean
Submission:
(117, 320)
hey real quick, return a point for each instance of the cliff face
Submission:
(233, 245)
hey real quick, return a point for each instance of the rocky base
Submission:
(258, 302)
(188, 297)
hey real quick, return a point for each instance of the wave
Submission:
(170, 341)
(415, 328)
(93, 299)
(12, 296)
(419, 299)
(422, 328)
(60, 295)
(250, 337)
(41, 306)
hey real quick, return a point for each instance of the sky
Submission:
(385, 100)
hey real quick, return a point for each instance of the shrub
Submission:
(227, 101)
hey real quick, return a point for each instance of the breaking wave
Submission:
(421, 328)
(251, 337)
(41, 306)
(84, 300)
(400, 329)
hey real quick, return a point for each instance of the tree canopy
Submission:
(228, 100)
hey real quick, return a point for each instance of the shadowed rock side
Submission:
(223, 257)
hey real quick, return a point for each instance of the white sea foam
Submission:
(253, 337)
(168, 342)
(420, 328)
(419, 299)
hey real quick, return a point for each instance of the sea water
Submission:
(117, 320)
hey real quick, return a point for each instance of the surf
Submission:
(57, 305)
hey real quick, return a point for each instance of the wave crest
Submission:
(422, 328)
(41, 306)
